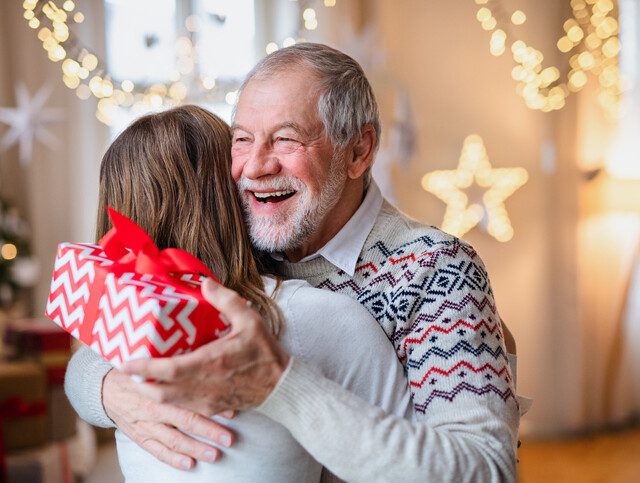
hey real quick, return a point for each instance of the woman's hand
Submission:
(160, 428)
(235, 372)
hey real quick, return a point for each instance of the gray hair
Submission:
(346, 101)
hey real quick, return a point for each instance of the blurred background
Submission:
(511, 123)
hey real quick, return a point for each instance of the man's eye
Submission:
(282, 139)
(240, 140)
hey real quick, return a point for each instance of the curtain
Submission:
(609, 249)
(57, 190)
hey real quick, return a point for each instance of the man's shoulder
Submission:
(397, 235)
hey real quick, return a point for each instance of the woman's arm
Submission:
(83, 385)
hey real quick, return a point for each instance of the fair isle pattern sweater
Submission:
(431, 294)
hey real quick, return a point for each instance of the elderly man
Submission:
(305, 133)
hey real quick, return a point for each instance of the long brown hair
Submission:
(170, 172)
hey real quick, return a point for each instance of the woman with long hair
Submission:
(170, 173)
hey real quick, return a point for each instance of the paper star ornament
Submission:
(28, 122)
(474, 167)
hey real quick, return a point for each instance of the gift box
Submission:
(126, 299)
(23, 408)
(29, 471)
(61, 420)
(42, 341)
(46, 464)
(36, 336)
(46, 344)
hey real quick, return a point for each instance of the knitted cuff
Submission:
(293, 396)
(83, 385)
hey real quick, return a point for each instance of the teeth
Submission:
(274, 193)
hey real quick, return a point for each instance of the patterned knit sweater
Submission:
(431, 294)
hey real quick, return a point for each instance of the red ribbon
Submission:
(133, 250)
(12, 408)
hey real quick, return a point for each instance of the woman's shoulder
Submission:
(303, 297)
(325, 318)
(336, 334)
(293, 288)
(282, 288)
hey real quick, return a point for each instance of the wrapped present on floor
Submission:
(43, 342)
(36, 336)
(127, 299)
(61, 420)
(23, 407)
(45, 464)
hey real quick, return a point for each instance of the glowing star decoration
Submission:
(474, 166)
(28, 122)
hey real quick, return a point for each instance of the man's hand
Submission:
(154, 426)
(237, 371)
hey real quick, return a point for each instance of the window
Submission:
(206, 45)
(141, 36)
(226, 37)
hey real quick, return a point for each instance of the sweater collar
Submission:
(344, 249)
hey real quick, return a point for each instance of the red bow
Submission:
(132, 250)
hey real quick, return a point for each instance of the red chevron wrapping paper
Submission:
(126, 299)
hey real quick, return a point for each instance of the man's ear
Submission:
(362, 152)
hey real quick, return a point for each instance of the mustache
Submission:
(276, 183)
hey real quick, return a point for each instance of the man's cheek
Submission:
(236, 166)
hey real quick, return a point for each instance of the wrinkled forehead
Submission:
(296, 83)
(279, 98)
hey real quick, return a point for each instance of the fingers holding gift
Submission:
(233, 308)
(142, 368)
(167, 369)
(237, 371)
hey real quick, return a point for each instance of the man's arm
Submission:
(361, 443)
(105, 397)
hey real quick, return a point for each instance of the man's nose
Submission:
(261, 162)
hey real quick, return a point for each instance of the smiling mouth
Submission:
(273, 196)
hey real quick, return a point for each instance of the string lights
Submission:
(84, 72)
(590, 36)
(474, 167)
(308, 21)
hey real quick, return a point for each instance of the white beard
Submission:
(289, 230)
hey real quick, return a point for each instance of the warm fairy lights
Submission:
(310, 20)
(474, 167)
(85, 73)
(9, 251)
(590, 36)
